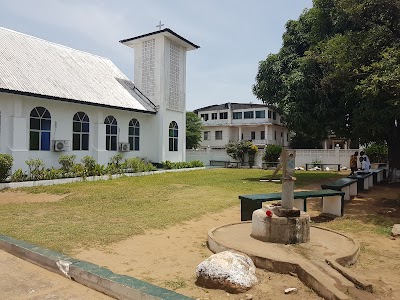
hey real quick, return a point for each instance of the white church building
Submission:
(56, 100)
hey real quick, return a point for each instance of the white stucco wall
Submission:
(15, 115)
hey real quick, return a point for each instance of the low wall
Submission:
(303, 156)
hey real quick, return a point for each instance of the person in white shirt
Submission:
(364, 165)
(367, 163)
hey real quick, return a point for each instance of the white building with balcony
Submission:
(232, 122)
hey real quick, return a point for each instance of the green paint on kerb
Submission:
(36, 249)
(136, 284)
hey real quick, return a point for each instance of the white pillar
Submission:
(240, 133)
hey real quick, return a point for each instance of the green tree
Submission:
(339, 71)
(193, 130)
(238, 150)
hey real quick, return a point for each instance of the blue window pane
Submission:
(137, 131)
(171, 144)
(131, 130)
(34, 140)
(108, 129)
(35, 124)
(130, 140)
(46, 124)
(175, 133)
(85, 118)
(85, 127)
(45, 141)
(113, 129)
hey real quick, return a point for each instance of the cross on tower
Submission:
(159, 25)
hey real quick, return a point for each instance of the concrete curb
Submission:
(14, 185)
(91, 275)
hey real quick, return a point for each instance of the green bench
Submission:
(364, 180)
(346, 185)
(333, 202)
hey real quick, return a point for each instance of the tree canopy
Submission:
(193, 130)
(339, 71)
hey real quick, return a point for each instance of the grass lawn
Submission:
(98, 213)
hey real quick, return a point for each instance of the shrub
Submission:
(79, 170)
(6, 162)
(52, 173)
(136, 164)
(196, 164)
(114, 166)
(252, 154)
(272, 153)
(67, 162)
(19, 176)
(237, 150)
(182, 165)
(36, 168)
(377, 152)
(89, 163)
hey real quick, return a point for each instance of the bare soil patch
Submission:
(169, 257)
(22, 197)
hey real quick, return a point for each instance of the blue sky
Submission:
(233, 35)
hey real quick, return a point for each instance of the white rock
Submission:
(230, 271)
(396, 230)
(290, 290)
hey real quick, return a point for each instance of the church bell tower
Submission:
(160, 74)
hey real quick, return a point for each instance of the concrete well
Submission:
(282, 230)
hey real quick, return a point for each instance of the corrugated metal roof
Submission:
(32, 66)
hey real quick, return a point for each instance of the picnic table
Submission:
(364, 180)
(332, 201)
(346, 185)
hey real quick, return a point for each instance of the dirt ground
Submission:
(169, 257)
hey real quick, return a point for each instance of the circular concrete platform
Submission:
(318, 263)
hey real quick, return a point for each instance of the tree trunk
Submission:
(393, 142)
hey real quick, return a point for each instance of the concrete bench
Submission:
(271, 163)
(377, 175)
(322, 166)
(226, 163)
(332, 202)
(364, 180)
(346, 185)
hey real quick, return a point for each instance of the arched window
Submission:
(173, 136)
(134, 134)
(111, 133)
(39, 129)
(80, 131)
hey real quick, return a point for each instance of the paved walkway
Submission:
(20, 279)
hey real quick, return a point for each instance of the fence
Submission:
(303, 156)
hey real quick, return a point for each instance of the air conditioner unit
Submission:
(123, 147)
(60, 145)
